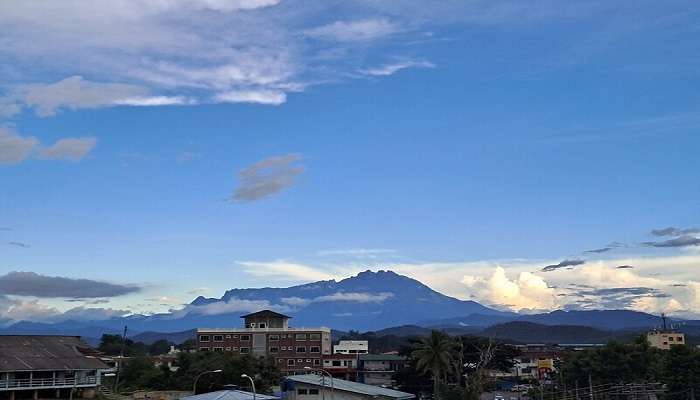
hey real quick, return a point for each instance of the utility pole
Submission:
(590, 386)
(121, 359)
(577, 390)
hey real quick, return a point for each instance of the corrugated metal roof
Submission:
(230, 395)
(46, 353)
(348, 386)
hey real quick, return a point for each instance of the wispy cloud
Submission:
(390, 69)
(673, 231)
(563, 264)
(354, 31)
(36, 285)
(267, 177)
(73, 149)
(682, 241)
(19, 244)
(15, 148)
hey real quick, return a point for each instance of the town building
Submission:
(343, 366)
(267, 333)
(664, 339)
(379, 369)
(351, 347)
(319, 387)
(230, 394)
(48, 367)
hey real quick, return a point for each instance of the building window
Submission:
(252, 325)
(245, 337)
(273, 349)
(262, 325)
(301, 336)
(301, 349)
(308, 360)
(300, 360)
(302, 391)
(274, 338)
(290, 362)
(317, 361)
(218, 349)
(228, 349)
(228, 336)
(284, 348)
(235, 336)
(315, 336)
(204, 349)
(203, 338)
(336, 363)
(281, 360)
(234, 348)
(313, 391)
(218, 338)
(314, 349)
(245, 350)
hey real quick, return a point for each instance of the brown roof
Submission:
(42, 353)
(266, 313)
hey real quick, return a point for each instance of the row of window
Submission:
(274, 338)
(307, 391)
(246, 350)
(299, 349)
(242, 350)
(291, 362)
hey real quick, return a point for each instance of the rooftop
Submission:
(233, 394)
(348, 386)
(46, 353)
(381, 357)
(266, 314)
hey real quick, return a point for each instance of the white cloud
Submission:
(355, 297)
(528, 291)
(15, 148)
(73, 149)
(390, 69)
(284, 270)
(233, 305)
(154, 101)
(269, 97)
(354, 31)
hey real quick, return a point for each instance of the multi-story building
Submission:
(48, 367)
(351, 347)
(267, 333)
(665, 339)
(343, 366)
(379, 369)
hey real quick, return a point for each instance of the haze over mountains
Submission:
(369, 301)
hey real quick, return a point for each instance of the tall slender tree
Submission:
(433, 355)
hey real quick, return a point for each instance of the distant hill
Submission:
(529, 332)
(175, 337)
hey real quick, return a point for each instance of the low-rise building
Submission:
(665, 339)
(351, 347)
(230, 394)
(343, 366)
(267, 333)
(379, 369)
(48, 367)
(317, 387)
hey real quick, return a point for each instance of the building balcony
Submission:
(47, 383)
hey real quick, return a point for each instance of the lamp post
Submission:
(323, 381)
(252, 383)
(194, 385)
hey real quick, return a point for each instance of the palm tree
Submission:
(433, 355)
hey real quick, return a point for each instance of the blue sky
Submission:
(243, 143)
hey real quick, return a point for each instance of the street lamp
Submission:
(194, 386)
(323, 380)
(252, 383)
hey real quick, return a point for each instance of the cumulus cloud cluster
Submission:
(15, 148)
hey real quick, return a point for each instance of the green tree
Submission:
(434, 355)
(158, 347)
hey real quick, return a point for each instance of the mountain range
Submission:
(369, 301)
